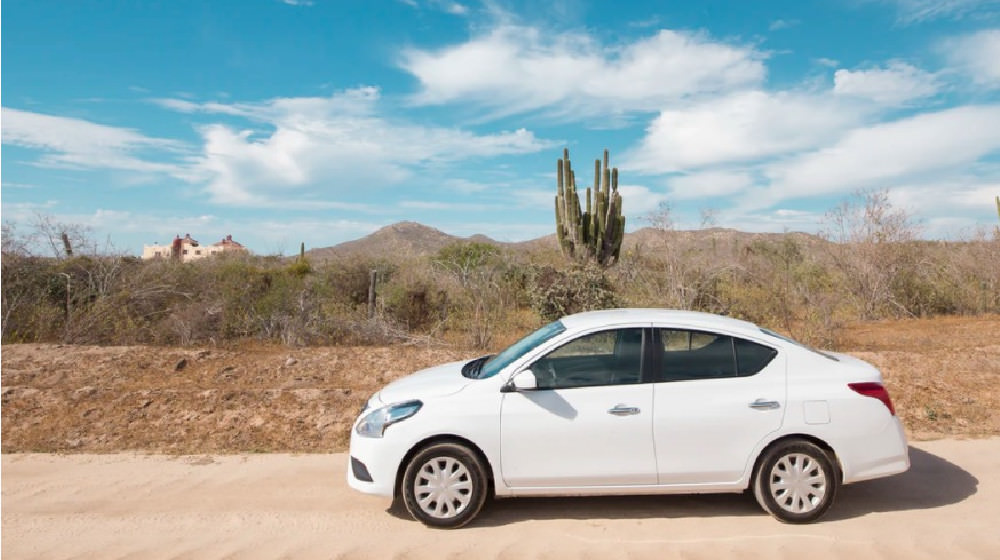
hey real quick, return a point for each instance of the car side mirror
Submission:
(520, 381)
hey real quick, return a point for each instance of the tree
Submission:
(478, 269)
(873, 248)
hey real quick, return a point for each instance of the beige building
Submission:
(187, 249)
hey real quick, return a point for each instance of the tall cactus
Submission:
(597, 233)
(998, 207)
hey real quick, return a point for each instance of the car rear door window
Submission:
(689, 355)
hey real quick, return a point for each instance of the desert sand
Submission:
(299, 506)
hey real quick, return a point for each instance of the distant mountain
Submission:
(399, 239)
(416, 240)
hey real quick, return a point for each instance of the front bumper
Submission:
(377, 460)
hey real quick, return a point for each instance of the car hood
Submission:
(431, 382)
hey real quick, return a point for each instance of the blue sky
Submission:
(280, 121)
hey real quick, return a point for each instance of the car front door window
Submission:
(612, 357)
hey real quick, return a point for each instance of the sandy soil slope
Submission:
(288, 506)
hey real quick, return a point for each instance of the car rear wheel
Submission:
(445, 485)
(796, 482)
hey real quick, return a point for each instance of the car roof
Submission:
(689, 319)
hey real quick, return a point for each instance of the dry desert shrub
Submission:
(472, 294)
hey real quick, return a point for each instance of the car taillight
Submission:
(875, 391)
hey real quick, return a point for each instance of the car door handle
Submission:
(622, 410)
(761, 404)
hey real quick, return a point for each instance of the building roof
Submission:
(228, 243)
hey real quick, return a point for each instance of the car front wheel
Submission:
(796, 482)
(445, 485)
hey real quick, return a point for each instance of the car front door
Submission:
(588, 423)
(716, 398)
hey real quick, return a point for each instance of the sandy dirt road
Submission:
(286, 506)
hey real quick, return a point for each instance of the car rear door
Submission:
(711, 409)
(589, 423)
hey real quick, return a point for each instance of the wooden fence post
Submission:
(371, 294)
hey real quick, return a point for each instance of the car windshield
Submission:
(520, 348)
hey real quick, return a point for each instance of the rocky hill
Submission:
(411, 239)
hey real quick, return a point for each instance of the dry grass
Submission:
(943, 375)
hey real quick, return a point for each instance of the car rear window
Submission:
(752, 357)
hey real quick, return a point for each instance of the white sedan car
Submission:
(630, 401)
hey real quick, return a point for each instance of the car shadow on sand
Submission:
(931, 482)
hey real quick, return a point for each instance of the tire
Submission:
(796, 481)
(445, 485)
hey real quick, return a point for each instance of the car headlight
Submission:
(375, 422)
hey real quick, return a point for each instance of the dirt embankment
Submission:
(173, 400)
(943, 374)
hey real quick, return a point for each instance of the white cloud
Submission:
(951, 208)
(446, 206)
(958, 194)
(895, 84)
(516, 69)
(455, 8)
(335, 143)
(76, 143)
(708, 184)
(12, 185)
(638, 201)
(24, 211)
(977, 55)
(534, 198)
(740, 127)
(776, 220)
(780, 24)
(651, 21)
(465, 186)
(882, 154)
(916, 11)
(447, 6)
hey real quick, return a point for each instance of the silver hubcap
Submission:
(798, 483)
(443, 487)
